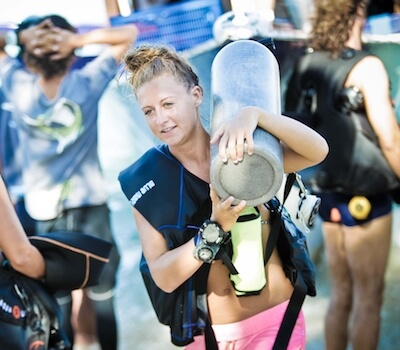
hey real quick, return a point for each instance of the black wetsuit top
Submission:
(175, 202)
(316, 95)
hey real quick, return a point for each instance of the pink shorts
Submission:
(255, 333)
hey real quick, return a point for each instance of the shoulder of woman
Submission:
(370, 64)
(369, 69)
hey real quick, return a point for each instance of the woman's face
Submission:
(170, 109)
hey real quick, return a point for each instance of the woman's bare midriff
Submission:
(226, 307)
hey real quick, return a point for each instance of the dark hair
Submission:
(44, 65)
(57, 20)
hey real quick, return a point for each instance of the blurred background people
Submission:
(11, 163)
(55, 108)
(14, 244)
(357, 238)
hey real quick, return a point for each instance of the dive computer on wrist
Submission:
(206, 252)
(212, 233)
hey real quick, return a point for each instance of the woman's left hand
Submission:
(223, 211)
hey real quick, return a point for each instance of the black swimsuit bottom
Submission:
(380, 205)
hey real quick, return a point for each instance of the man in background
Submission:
(55, 109)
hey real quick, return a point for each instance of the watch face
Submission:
(211, 233)
(205, 254)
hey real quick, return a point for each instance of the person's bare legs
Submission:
(337, 317)
(83, 321)
(368, 249)
(357, 259)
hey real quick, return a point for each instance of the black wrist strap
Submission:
(227, 261)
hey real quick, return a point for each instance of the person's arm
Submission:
(119, 38)
(14, 243)
(3, 43)
(46, 38)
(168, 268)
(302, 146)
(371, 77)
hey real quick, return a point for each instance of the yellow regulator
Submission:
(359, 207)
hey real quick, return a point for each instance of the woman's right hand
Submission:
(223, 211)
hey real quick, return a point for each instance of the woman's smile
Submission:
(168, 130)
